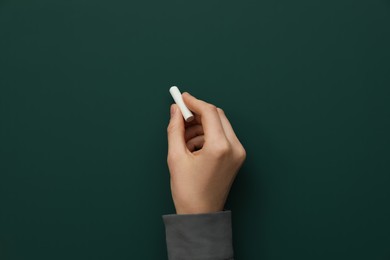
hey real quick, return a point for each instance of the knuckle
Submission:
(211, 107)
(220, 110)
(171, 158)
(242, 153)
(170, 128)
(222, 149)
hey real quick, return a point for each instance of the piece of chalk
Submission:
(175, 92)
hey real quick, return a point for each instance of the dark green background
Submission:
(84, 106)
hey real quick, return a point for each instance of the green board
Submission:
(84, 106)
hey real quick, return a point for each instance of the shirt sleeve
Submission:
(199, 236)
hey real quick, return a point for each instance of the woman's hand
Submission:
(204, 157)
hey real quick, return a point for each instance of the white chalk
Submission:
(175, 92)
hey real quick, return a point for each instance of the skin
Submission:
(204, 157)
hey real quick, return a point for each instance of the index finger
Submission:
(211, 122)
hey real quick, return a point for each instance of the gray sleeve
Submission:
(199, 236)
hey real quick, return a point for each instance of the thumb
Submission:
(176, 130)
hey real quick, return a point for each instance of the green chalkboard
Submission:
(84, 106)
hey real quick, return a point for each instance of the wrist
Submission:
(198, 209)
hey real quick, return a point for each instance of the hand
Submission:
(204, 157)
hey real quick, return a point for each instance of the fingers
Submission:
(195, 143)
(175, 130)
(227, 127)
(193, 131)
(211, 122)
(196, 121)
(231, 136)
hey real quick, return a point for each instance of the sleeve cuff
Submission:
(199, 236)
